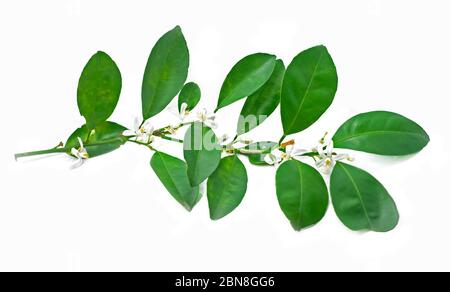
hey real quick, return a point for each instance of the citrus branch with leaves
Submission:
(303, 91)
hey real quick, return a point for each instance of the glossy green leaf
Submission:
(226, 187)
(383, 133)
(105, 138)
(172, 172)
(258, 159)
(201, 152)
(361, 202)
(246, 77)
(166, 72)
(302, 194)
(190, 94)
(261, 104)
(309, 87)
(99, 89)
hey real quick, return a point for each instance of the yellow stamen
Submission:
(322, 141)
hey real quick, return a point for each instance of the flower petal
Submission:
(203, 114)
(128, 133)
(320, 163)
(320, 150)
(211, 117)
(79, 162)
(137, 123)
(289, 149)
(84, 154)
(299, 152)
(81, 143)
(330, 148)
(148, 128)
(74, 152)
(213, 125)
(183, 109)
(341, 157)
(326, 170)
(143, 138)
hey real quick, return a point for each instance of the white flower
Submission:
(142, 132)
(81, 154)
(327, 158)
(183, 112)
(277, 156)
(292, 152)
(209, 119)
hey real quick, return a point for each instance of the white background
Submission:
(113, 214)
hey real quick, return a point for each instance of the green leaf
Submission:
(173, 174)
(260, 105)
(361, 202)
(258, 159)
(302, 194)
(383, 133)
(246, 77)
(201, 152)
(99, 89)
(166, 72)
(190, 94)
(106, 138)
(309, 87)
(226, 187)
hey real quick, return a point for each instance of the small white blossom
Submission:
(277, 156)
(292, 152)
(143, 132)
(327, 159)
(80, 154)
(181, 113)
(209, 119)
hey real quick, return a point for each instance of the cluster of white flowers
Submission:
(143, 131)
(277, 156)
(326, 160)
(209, 119)
(323, 154)
(203, 116)
(325, 157)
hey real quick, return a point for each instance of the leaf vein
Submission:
(358, 192)
(307, 90)
(370, 133)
